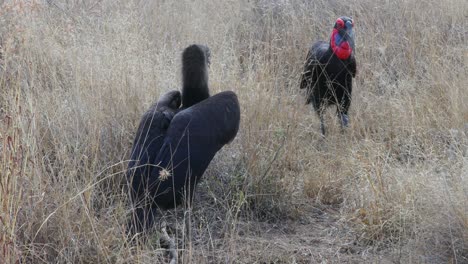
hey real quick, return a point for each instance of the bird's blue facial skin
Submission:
(347, 35)
(338, 39)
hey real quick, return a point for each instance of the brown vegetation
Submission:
(75, 77)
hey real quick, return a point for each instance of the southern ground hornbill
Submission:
(329, 70)
(175, 144)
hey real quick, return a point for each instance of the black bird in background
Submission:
(328, 72)
(174, 146)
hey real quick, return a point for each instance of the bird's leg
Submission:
(320, 110)
(344, 120)
(342, 111)
(322, 123)
(168, 243)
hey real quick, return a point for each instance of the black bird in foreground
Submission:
(328, 72)
(174, 146)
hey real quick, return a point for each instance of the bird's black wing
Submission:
(317, 57)
(150, 137)
(352, 66)
(306, 76)
(192, 140)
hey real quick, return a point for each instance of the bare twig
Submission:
(276, 154)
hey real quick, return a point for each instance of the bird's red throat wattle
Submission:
(343, 50)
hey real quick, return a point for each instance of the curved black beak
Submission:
(347, 34)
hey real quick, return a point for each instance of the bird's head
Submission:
(342, 38)
(169, 100)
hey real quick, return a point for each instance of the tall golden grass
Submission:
(75, 77)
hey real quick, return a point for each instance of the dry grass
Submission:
(76, 75)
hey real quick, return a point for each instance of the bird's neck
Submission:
(193, 94)
(194, 86)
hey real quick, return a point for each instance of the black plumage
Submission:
(195, 62)
(329, 70)
(151, 133)
(179, 148)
